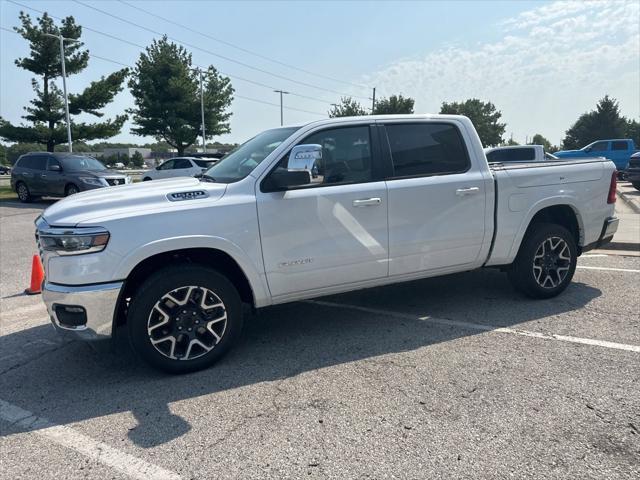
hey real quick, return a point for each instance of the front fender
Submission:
(256, 278)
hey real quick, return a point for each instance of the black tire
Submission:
(546, 276)
(146, 179)
(71, 189)
(143, 317)
(24, 195)
(636, 185)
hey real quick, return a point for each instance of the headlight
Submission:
(100, 182)
(74, 242)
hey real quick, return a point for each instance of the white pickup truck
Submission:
(300, 212)
(518, 153)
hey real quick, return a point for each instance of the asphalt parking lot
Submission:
(454, 377)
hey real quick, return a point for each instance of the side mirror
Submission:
(158, 167)
(55, 168)
(305, 157)
(588, 149)
(283, 179)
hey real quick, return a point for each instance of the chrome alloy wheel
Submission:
(551, 262)
(186, 323)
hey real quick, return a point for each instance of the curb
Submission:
(628, 201)
(633, 247)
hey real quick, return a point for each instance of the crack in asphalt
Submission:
(32, 359)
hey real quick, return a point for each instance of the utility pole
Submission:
(373, 101)
(204, 136)
(201, 80)
(64, 84)
(281, 92)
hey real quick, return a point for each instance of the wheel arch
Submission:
(564, 213)
(141, 264)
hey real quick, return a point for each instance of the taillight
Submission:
(611, 198)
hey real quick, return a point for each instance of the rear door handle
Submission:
(461, 192)
(367, 202)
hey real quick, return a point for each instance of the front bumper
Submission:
(98, 301)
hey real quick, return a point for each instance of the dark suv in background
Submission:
(60, 174)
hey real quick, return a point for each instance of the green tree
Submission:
(633, 132)
(538, 139)
(348, 107)
(46, 114)
(394, 104)
(484, 116)
(166, 94)
(599, 124)
(137, 160)
(510, 143)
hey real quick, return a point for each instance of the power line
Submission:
(235, 95)
(128, 42)
(229, 59)
(250, 52)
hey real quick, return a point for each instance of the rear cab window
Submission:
(620, 145)
(423, 149)
(33, 162)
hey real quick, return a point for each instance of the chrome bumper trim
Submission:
(99, 301)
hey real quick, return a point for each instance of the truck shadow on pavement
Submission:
(71, 382)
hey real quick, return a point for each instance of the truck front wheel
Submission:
(184, 318)
(546, 261)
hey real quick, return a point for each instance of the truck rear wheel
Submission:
(184, 318)
(546, 261)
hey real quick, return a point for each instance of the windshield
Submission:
(77, 163)
(241, 161)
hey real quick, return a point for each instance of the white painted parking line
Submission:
(484, 328)
(74, 440)
(594, 255)
(632, 270)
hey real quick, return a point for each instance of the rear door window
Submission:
(181, 163)
(520, 154)
(34, 162)
(426, 149)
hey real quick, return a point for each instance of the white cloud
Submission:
(552, 64)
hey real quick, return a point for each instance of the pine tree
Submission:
(167, 100)
(600, 124)
(46, 112)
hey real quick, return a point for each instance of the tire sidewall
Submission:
(165, 281)
(521, 272)
(27, 197)
(70, 187)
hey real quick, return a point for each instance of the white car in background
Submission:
(179, 167)
(518, 153)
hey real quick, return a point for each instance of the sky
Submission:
(541, 63)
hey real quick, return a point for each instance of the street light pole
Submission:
(64, 85)
(281, 92)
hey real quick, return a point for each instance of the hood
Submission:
(91, 207)
(98, 173)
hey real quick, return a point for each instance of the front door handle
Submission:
(367, 202)
(461, 192)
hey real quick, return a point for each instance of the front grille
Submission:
(115, 181)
